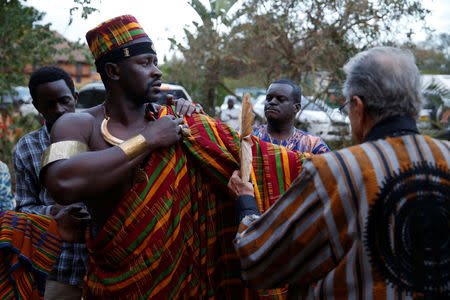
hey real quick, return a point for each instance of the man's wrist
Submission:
(134, 147)
(246, 190)
(246, 205)
(54, 209)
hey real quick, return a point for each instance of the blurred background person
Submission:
(230, 115)
(283, 102)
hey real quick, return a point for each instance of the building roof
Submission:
(77, 55)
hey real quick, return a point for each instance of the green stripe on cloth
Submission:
(136, 32)
(181, 279)
(214, 172)
(149, 228)
(177, 217)
(280, 173)
(168, 270)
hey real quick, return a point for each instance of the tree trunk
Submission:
(210, 100)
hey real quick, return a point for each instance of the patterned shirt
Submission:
(6, 200)
(333, 229)
(32, 197)
(299, 141)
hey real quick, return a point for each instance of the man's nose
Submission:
(156, 72)
(60, 109)
(272, 101)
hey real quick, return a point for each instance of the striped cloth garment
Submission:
(29, 246)
(171, 237)
(346, 230)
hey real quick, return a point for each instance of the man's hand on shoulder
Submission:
(184, 107)
(72, 221)
(163, 132)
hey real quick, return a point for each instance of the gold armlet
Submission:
(134, 146)
(62, 150)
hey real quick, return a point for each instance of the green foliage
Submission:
(207, 58)
(25, 42)
(434, 94)
(312, 39)
(79, 46)
(177, 71)
(84, 6)
(437, 92)
(22, 42)
(201, 10)
(307, 41)
(433, 55)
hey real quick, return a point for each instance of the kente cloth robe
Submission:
(171, 237)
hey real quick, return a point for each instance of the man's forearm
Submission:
(33, 208)
(89, 174)
(27, 196)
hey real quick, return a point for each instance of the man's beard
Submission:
(145, 97)
(148, 96)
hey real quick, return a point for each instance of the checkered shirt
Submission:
(32, 197)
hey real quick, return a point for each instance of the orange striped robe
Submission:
(315, 236)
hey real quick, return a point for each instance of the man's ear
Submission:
(297, 107)
(357, 105)
(366, 121)
(75, 97)
(112, 71)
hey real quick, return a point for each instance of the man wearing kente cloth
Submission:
(162, 221)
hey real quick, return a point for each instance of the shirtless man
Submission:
(103, 175)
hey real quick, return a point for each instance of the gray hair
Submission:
(388, 81)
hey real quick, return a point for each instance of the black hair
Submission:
(296, 91)
(49, 74)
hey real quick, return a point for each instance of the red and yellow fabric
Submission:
(171, 237)
(29, 246)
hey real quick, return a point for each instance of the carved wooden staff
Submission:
(246, 122)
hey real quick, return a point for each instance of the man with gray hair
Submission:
(368, 221)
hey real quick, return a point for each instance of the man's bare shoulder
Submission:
(95, 110)
(74, 126)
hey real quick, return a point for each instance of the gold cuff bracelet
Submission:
(62, 150)
(134, 146)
